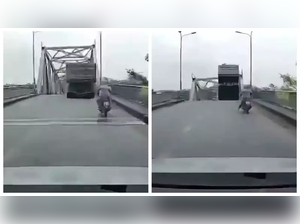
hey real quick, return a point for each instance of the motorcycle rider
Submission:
(245, 95)
(104, 95)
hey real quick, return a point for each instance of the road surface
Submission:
(218, 129)
(55, 131)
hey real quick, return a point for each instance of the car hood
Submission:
(74, 175)
(224, 174)
(224, 165)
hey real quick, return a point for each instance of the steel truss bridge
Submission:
(50, 130)
(52, 70)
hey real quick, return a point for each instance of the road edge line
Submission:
(141, 116)
(12, 100)
(166, 104)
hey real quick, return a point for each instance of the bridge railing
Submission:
(286, 99)
(135, 93)
(283, 98)
(16, 91)
(139, 94)
(165, 96)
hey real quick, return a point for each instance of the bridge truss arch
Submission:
(203, 92)
(52, 67)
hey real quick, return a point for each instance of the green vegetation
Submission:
(134, 76)
(289, 82)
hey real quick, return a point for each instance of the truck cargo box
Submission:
(228, 70)
(81, 90)
(81, 72)
(228, 88)
(228, 79)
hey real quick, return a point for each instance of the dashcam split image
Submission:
(75, 111)
(224, 110)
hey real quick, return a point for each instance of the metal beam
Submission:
(69, 47)
(49, 80)
(205, 79)
(69, 56)
(70, 59)
(89, 51)
(76, 52)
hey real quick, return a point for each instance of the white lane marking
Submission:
(108, 123)
(187, 129)
(68, 119)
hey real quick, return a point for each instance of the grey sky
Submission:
(151, 13)
(121, 50)
(274, 52)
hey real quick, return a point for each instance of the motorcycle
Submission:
(105, 108)
(246, 107)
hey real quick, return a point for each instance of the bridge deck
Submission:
(218, 129)
(55, 131)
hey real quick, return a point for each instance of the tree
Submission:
(255, 88)
(289, 82)
(272, 86)
(136, 76)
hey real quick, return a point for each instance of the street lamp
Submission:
(33, 58)
(181, 36)
(100, 57)
(249, 35)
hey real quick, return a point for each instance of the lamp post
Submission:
(100, 57)
(33, 59)
(250, 36)
(181, 36)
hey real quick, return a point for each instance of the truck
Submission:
(229, 82)
(81, 79)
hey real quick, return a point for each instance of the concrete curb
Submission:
(289, 119)
(17, 99)
(166, 104)
(141, 116)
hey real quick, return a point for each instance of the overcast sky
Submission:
(150, 13)
(121, 50)
(274, 52)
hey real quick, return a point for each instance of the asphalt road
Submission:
(56, 131)
(218, 129)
